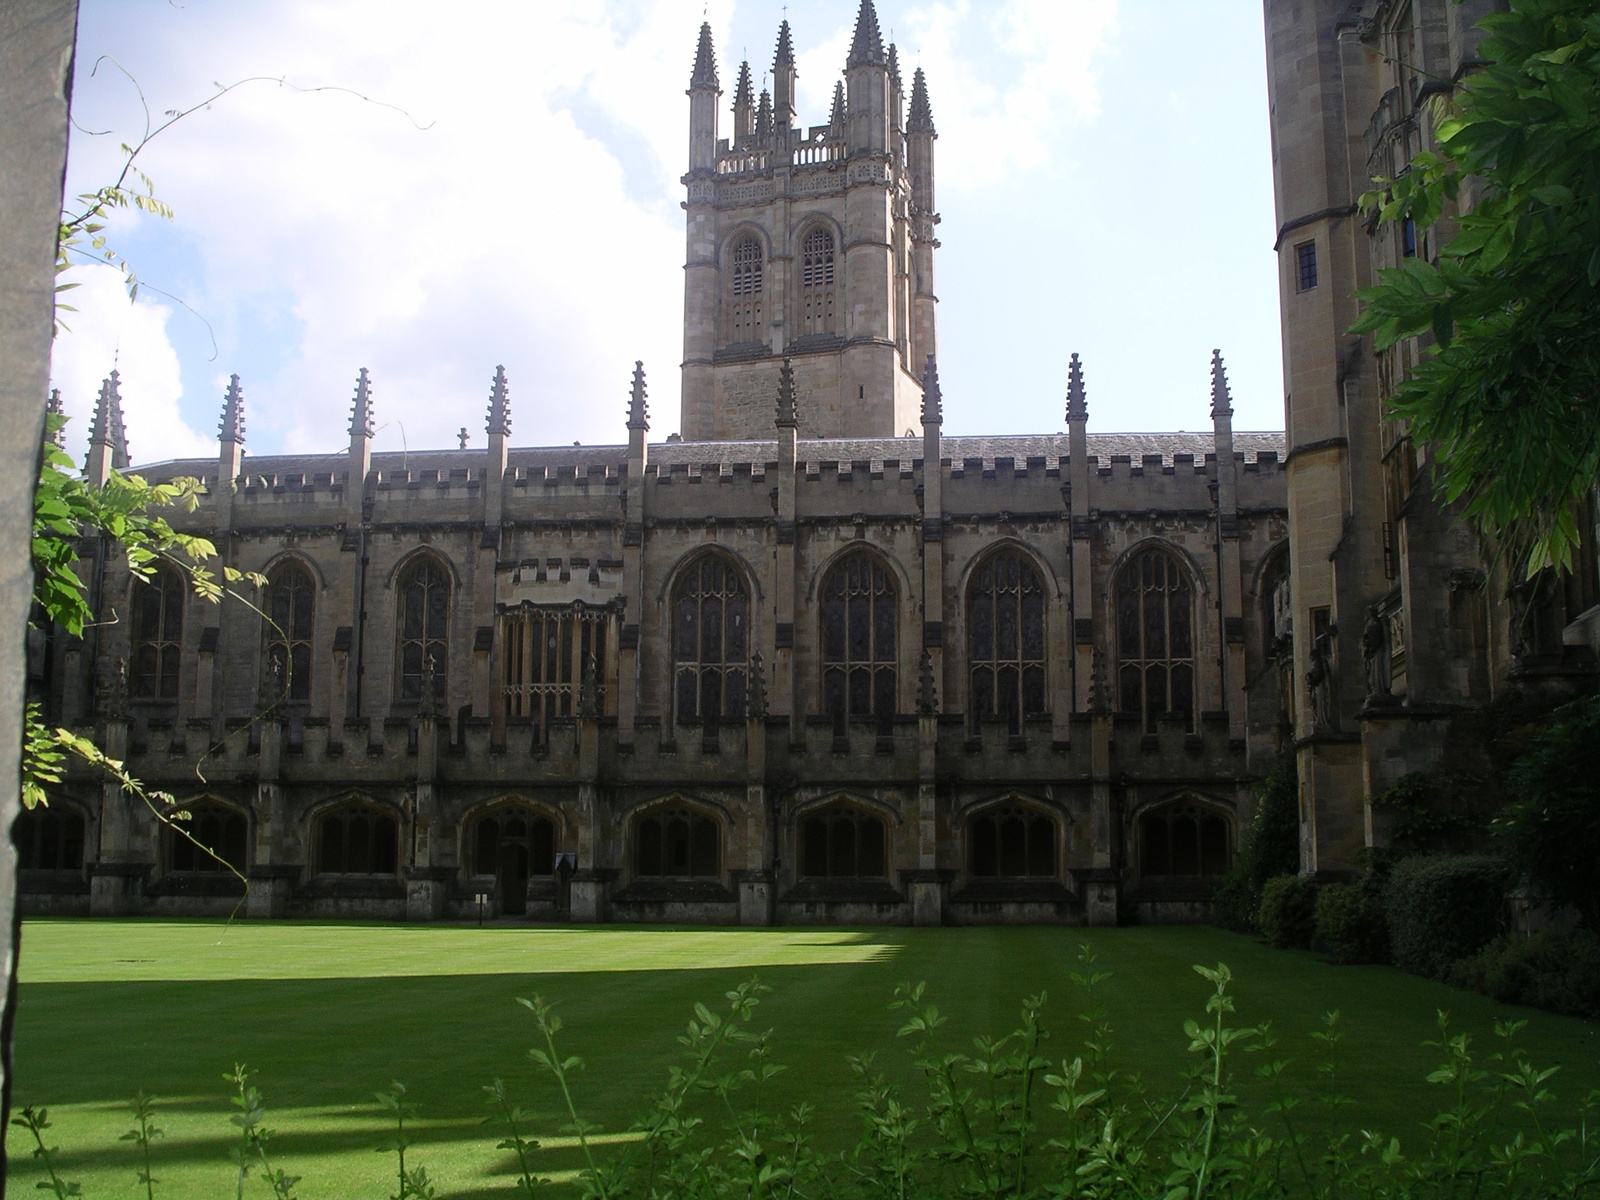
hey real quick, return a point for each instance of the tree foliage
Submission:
(1509, 392)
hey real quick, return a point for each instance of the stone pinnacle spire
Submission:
(894, 66)
(1221, 397)
(106, 428)
(744, 93)
(54, 408)
(932, 398)
(638, 405)
(361, 423)
(785, 53)
(232, 427)
(786, 414)
(920, 118)
(499, 405)
(836, 118)
(867, 48)
(1077, 399)
(705, 62)
(764, 118)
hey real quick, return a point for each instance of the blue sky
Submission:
(1103, 177)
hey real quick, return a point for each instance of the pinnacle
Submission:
(920, 118)
(867, 48)
(106, 428)
(932, 398)
(744, 94)
(785, 54)
(54, 408)
(836, 118)
(1221, 397)
(638, 405)
(1077, 399)
(232, 427)
(705, 62)
(764, 118)
(894, 66)
(361, 411)
(786, 414)
(499, 405)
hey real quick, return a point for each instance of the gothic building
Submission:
(812, 661)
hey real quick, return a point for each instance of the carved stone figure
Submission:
(1374, 653)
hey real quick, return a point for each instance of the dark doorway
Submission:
(514, 846)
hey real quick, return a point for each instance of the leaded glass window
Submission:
(816, 282)
(157, 634)
(1005, 640)
(843, 841)
(291, 604)
(49, 839)
(544, 652)
(710, 642)
(1011, 841)
(359, 840)
(1184, 839)
(859, 614)
(424, 627)
(1155, 642)
(222, 836)
(678, 842)
(745, 293)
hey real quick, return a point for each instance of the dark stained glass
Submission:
(1155, 649)
(1005, 640)
(1011, 841)
(677, 843)
(860, 609)
(157, 634)
(291, 595)
(1184, 839)
(843, 841)
(425, 610)
(711, 636)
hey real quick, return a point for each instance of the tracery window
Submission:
(677, 842)
(359, 840)
(222, 833)
(859, 613)
(513, 845)
(745, 293)
(1155, 643)
(843, 841)
(1005, 640)
(291, 603)
(1012, 841)
(48, 839)
(157, 634)
(711, 642)
(545, 651)
(424, 626)
(816, 282)
(1184, 839)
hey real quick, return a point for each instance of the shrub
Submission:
(1271, 847)
(1443, 907)
(1350, 922)
(1437, 812)
(1288, 914)
(1555, 969)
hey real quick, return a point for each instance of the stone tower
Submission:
(813, 243)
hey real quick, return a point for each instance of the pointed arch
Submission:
(290, 602)
(1183, 836)
(355, 835)
(745, 308)
(158, 605)
(218, 837)
(424, 587)
(1007, 637)
(674, 837)
(858, 614)
(1013, 837)
(1156, 624)
(710, 616)
(51, 837)
(818, 251)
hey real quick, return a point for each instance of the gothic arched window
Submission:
(843, 841)
(1155, 642)
(222, 833)
(157, 634)
(514, 844)
(1005, 640)
(291, 602)
(1011, 841)
(859, 613)
(424, 626)
(816, 282)
(677, 842)
(710, 642)
(48, 839)
(358, 840)
(1184, 839)
(745, 293)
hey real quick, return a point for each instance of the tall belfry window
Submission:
(745, 294)
(1005, 640)
(710, 642)
(291, 600)
(157, 634)
(859, 612)
(816, 283)
(1155, 642)
(424, 627)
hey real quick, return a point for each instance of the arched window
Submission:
(816, 282)
(219, 830)
(859, 612)
(424, 627)
(513, 845)
(745, 294)
(359, 840)
(48, 839)
(677, 842)
(1184, 839)
(711, 642)
(291, 600)
(843, 841)
(1011, 841)
(1005, 640)
(1155, 644)
(157, 634)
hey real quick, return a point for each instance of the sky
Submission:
(429, 197)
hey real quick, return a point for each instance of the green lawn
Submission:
(331, 1013)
